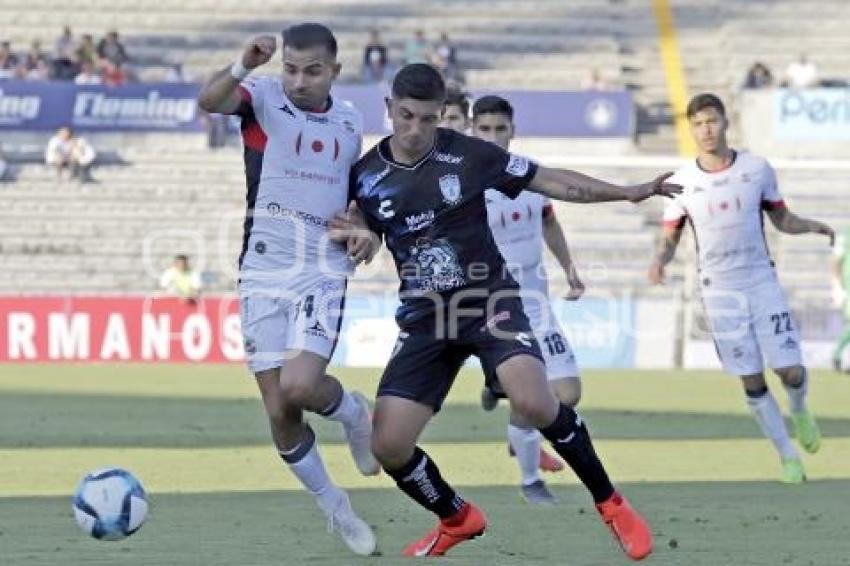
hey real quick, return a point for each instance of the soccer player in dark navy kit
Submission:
(422, 190)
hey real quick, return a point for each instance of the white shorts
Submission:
(752, 325)
(304, 316)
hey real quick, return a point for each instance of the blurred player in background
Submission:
(725, 194)
(840, 289)
(300, 143)
(422, 189)
(455, 115)
(520, 226)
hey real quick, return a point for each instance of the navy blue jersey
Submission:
(433, 217)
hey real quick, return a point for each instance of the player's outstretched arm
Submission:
(786, 221)
(555, 240)
(572, 186)
(666, 251)
(219, 95)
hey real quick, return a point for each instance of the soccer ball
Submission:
(110, 504)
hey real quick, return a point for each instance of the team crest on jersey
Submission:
(517, 166)
(450, 187)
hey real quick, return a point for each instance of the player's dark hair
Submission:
(492, 104)
(307, 35)
(419, 81)
(456, 97)
(703, 101)
(182, 257)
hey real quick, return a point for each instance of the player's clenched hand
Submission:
(827, 231)
(259, 51)
(656, 273)
(657, 186)
(576, 289)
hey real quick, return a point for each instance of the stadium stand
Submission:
(49, 231)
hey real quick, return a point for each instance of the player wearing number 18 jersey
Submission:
(725, 194)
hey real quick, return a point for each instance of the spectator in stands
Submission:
(113, 74)
(416, 49)
(88, 75)
(759, 76)
(176, 74)
(34, 57)
(66, 151)
(801, 73)
(8, 61)
(444, 56)
(41, 71)
(181, 281)
(594, 81)
(112, 50)
(375, 58)
(86, 52)
(64, 56)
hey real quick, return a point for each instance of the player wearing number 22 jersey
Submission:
(725, 195)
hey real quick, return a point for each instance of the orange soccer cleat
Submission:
(548, 463)
(466, 524)
(627, 526)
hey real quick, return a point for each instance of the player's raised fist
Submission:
(259, 51)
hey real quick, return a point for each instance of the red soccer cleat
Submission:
(627, 526)
(466, 524)
(548, 463)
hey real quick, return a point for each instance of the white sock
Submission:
(769, 418)
(347, 412)
(526, 445)
(797, 395)
(310, 471)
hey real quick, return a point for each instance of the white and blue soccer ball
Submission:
(110, 504)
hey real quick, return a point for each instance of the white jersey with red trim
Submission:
(725, 210)
(517, 226)
(297, 166)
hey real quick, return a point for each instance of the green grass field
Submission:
(681, 445)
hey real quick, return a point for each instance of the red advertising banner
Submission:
(119, 329)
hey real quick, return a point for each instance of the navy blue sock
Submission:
(570, 439)
(420, 479)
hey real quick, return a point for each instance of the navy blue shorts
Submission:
(430, 352)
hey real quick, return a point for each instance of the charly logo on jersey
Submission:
(420, 221)
(450, 187)
(517, 166)
(385, 210)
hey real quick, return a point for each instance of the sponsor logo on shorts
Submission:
(524, 339)
(789, 344)
(317, 330)
(260, 247)
(737, 352)
(500, 316)
(250, 346)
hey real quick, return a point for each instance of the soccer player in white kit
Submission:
(300, 143)
(520, 228)
(725, 192)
